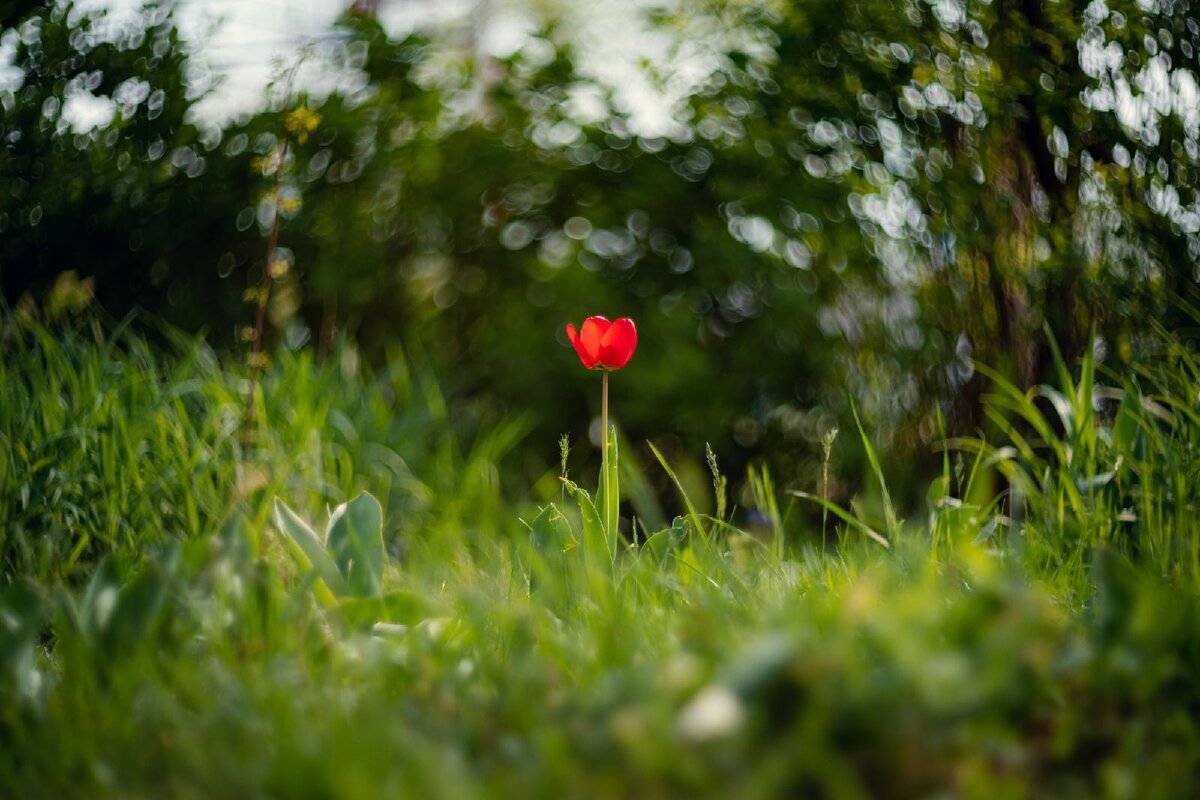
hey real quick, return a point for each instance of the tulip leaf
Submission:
(593, 525)
(608, 494)
(355, 542)
(308, 553)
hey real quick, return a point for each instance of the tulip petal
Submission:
(590, 336)
(618, 344)
(580, 350)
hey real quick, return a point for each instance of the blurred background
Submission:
(803, 205)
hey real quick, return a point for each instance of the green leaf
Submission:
(608, 495)
(888, 509)
(593, 526)
(551, 532)
(659, 545)
(309, 553)
(938, 495)
(138, 606)
(100, 598)
(1060, 365)
(549, 557)
(1086, 430)
(355, 541)
(1125, 429)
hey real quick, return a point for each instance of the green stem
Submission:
(608, 529)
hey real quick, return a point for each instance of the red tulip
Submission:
(602, 344)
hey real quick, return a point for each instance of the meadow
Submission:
(900, 495)
(354, 601)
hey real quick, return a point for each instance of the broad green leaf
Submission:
(355, 542)
(594, 540)
(308, 552)
(551, 532)
(608, 494)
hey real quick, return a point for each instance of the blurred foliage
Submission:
(203, 672)
(853, 201)
(169, 625)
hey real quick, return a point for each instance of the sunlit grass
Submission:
(169, 629)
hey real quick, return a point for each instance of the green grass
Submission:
(164, 633)
(109, 444)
